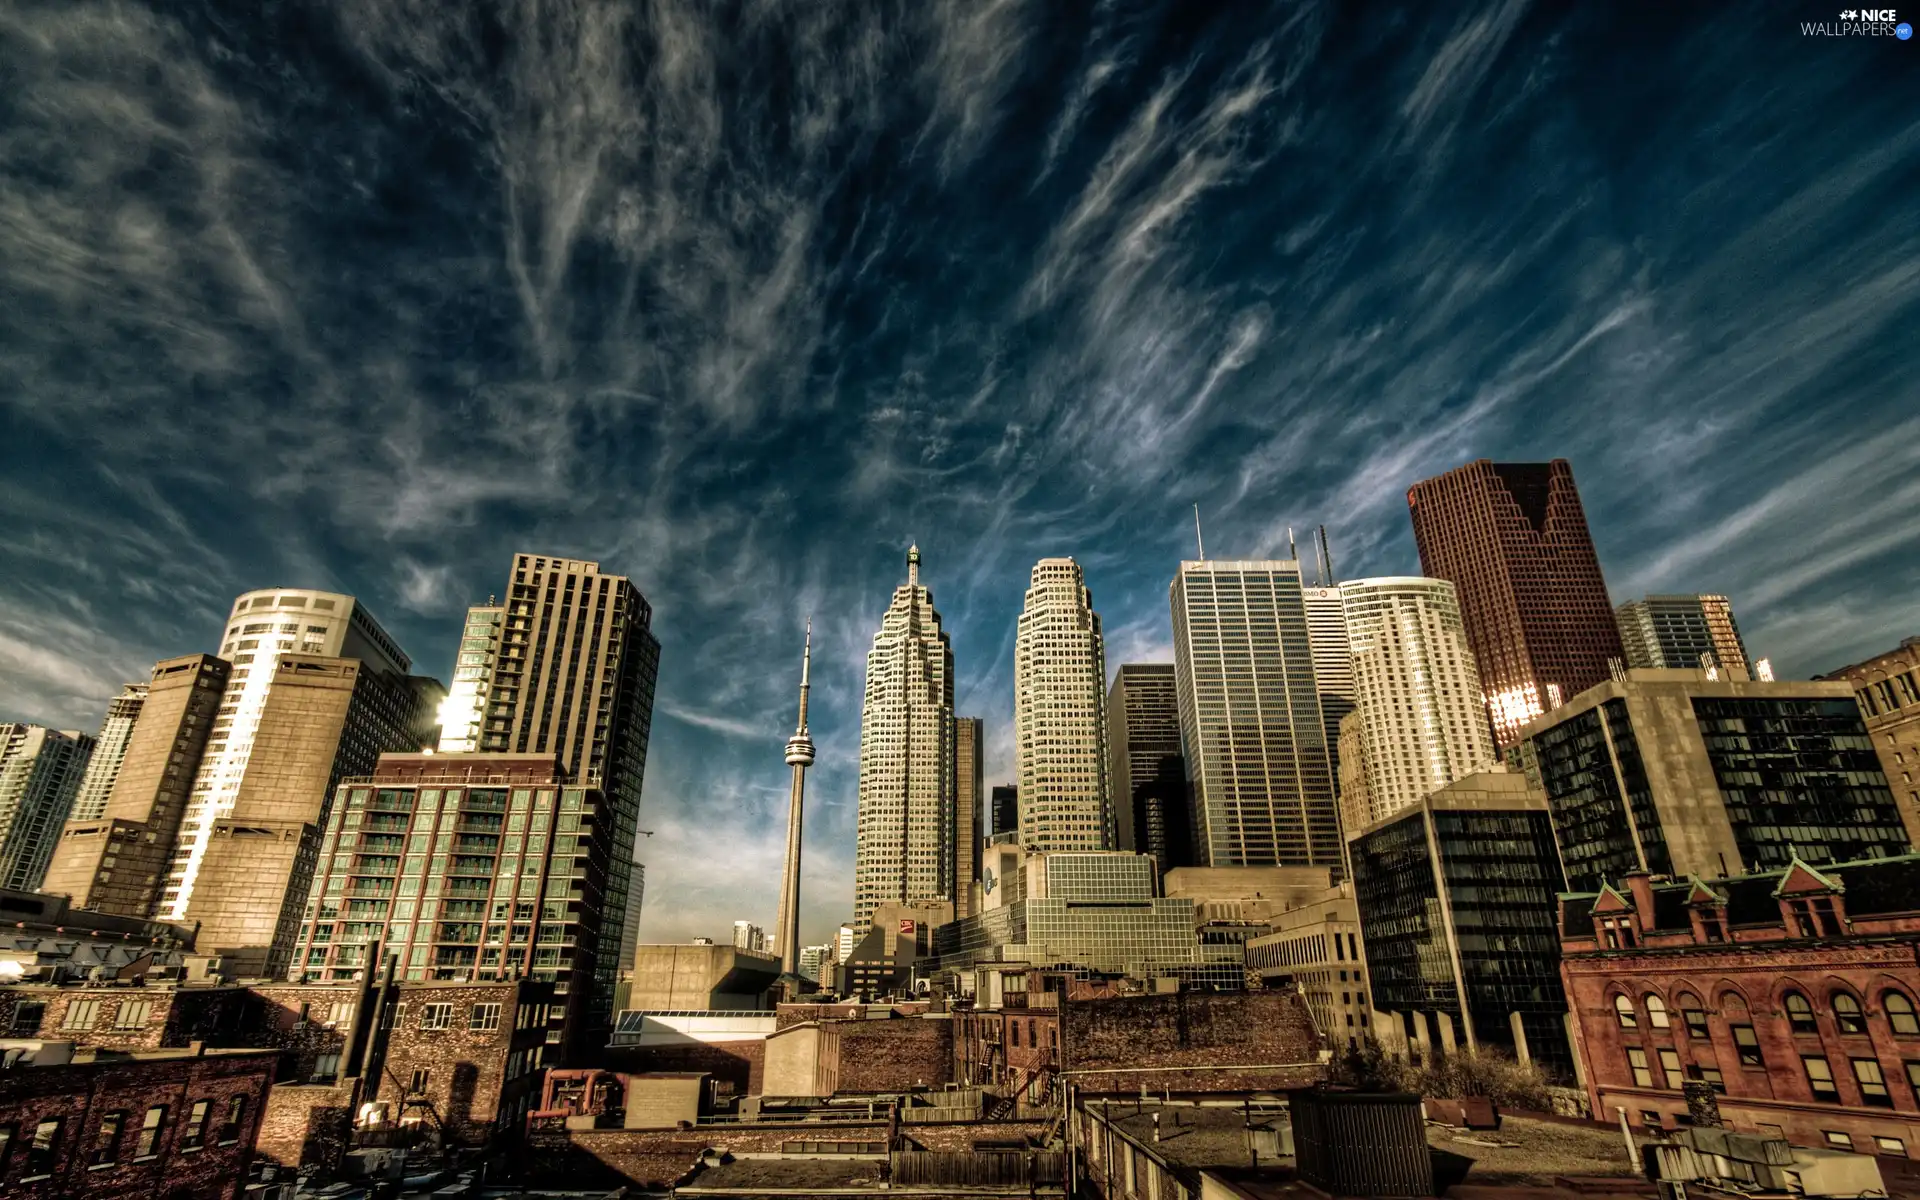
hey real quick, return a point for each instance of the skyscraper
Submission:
(269, 628)
(1059, 714)
(115, 858)
(1512, 539)
(1422, 722)
(463, 715)
(969, 751)
(575, 678)
(1145, 770)
(40, 773)
(109, 751)
(1332, 664)
(1676, 631)
(903, 851)
(786, 928)
(1251, 728)
(1006, 808)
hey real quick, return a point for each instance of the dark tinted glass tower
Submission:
(1513, 540)
(1006, 808)
(1145, 770)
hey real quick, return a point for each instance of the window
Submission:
(436, 1016)
(1747, 1046)
(484, 1017)
(1656, 1011)
(1693, 1016)
(106, 1139)
(1900, 1014)
(1670, 1066)
(1800, 1013)
(196, 1130)
(1015, 1027)
(1873, 1083)
(151, 1128)
(326, 1066)
(1820, 1077)
(1847, 1014)
(1838, 1140)
(1623, 1009)
(235, 1120)
(133, 1014)
(1711, 1077)
(419, 1081)
(27, 1018)
(44, 1150)
(1637, 1060)
(1890, 1145)
(80, 1015)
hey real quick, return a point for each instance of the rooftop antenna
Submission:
(1196, 533)
(1292, 552)
(1326, 558)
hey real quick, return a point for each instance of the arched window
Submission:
(1847, 1014)
(1900, 1014)
(1694, 1016)
(1656, 1011)
(1800, 1014)
(1623, 1008)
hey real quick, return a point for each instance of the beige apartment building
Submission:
(1059, 714)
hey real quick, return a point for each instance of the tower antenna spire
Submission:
(799, 757)
(1196, 533)
(913, 565)
(1326, 559)
(1293, 552)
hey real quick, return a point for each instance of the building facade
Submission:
(1793, 994)
(40, 774)
(468, 868)
(463, 715)
(1684, 633)
(903, 852)
(1316, 946)
(1888, 689)
(269, 628)
(1145, 770)
(748, 936)
(575, 678)
(1513, 540)
(1251, 729)
(116, 860)
(1332, 659)
(1422, 717)
(1456, 900)
(1678, 774)
(969, 812)
(1059, 718)
(109, 751)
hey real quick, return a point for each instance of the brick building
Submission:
(103, 1124)
(1793, 994)
(460, 1060)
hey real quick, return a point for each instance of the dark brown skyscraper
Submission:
(1145, 769)
(969, 762)
(1512, 539)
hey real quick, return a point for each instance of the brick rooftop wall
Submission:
(1137, 1037)
(895, 1055)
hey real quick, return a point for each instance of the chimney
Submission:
(1640, 888)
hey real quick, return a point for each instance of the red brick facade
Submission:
(180, 1126)
(1192, 1042)
(1794, 994)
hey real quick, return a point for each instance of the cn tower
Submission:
(799, 757)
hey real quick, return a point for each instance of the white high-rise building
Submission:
(109, 751)
(1059, 714)
(748, 936)
(40, 773)
(814, 960)
(264, 625)
(1254, 738)
(903, 852)
(1423, 718)
(463, 713)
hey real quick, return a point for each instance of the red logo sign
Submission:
(906, 927)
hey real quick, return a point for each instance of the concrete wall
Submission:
(691, 978)
(664, 1101)
(802, 1060)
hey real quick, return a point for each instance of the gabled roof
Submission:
(1801, 879)
(1611, 901)
(1699, 892)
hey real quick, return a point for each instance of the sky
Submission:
(742, 298)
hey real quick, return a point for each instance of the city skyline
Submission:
(1185, 260)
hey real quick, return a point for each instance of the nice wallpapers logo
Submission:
(1860, 22)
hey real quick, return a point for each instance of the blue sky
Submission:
(741, 298)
